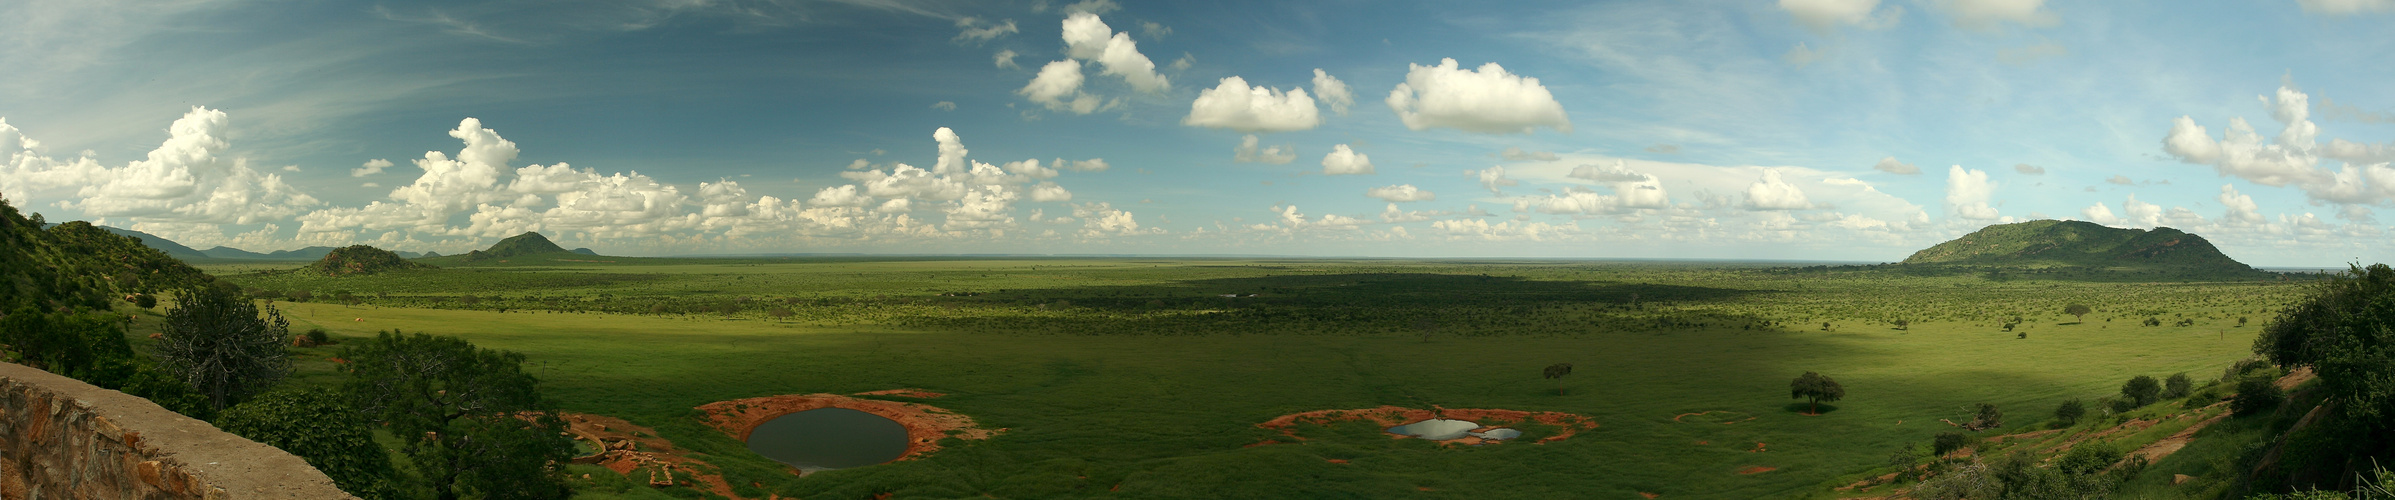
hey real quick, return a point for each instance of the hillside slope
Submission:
(76, 264)
(2084, 245)
(361, 259)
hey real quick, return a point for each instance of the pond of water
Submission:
(829, 438)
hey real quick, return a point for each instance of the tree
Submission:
(215, 340)
(1816, 388)
(322, 427)
(2177, 386)
(1988, 418)
(2077, 310)
(1904, 324)
(1947, 442)
(2141, 390)
(1556, 372)
(474, 422)
(2340, 329)
(2255, 395)
(2070, 411)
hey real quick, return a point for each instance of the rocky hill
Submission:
(76, 264)
(361, 259)
(2053, 244)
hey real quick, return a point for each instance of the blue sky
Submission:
(1794, 129)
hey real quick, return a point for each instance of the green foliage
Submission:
(477, 423)
(2070, 411)
(2255, 395)
(1816, 388)
(2077, 310)
(1988, 417)
(322, 427)
(2177, 386)
(216, 341)
(2342, 329)
(361, 259)
(1947, 442)
(2140, 391)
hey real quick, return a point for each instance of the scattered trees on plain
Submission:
(2077, 310)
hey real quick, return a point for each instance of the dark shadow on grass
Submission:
(1809, 409)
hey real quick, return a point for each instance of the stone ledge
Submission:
(62, 438)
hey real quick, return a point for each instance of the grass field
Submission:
(1135, 377)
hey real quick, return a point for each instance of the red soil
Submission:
(1755, 469)
(925, 425)
(1650, 495)
(631, 449)
(1391, 416)
(1758, 448)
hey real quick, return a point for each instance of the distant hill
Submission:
(360, 259)
(2050, 244)
(172, 249)
(527, 248)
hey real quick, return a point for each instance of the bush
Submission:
(1988, 418)
(2140, 391)
(2070, 411)
(1948, 441)
(317, 425)
(215, 340)
(2176, 386)
(2255, 395)
(145, 301)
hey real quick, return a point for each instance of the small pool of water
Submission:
(829, 438)
(1437, 429)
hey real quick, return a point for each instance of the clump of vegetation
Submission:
(321, 427)
(2069, 413)
(473, 421)
(2140, 391)
(2256, 395)
(2177, 386)
(218, 342)
(361, 259)
(1947, 442)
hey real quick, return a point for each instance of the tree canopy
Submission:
(216, 341)
(1816, 388)
(476, 423)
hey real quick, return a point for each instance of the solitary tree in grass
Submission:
(1816, 388)
(215, 340)
(2177, 386)
(1556, 372)
(2077, 310)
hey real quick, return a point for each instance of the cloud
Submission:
(371, 167)
(2100, 214)
(1088, 38)
(1668, 149)
(2330, 109)
(1967, 193)
(1091, 7)
(1400, 193)
(974, 31)
(2345, 7)
(1334, 93)
(2028, 169)
(189, 179)
(1890, 165)
(1801, 55)
(1049, 192)
(1006, 59)
(2121, 180)
(1487, 100)
(1250, 150)
(1058, 87)
(1345, 161)
(1492, 178)
(1102, 220)
(1990, 15)
(1154, 30)
(2241, 209)
(1617, 172)
(1236, 106)
(1824, 16)
(2292, 158)
(1517, 154)
(944, 105)
(841, 196)
(1089, 165)
(1771, 193)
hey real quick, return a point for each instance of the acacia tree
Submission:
(1816, 388)
(1556, 372)
(2077, 310)
(474, 421)
(2141, 390)
(216, 341)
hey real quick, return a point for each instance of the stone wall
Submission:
(61, 438)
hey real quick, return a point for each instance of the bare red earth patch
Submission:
(1392, 416)
(1755, 469)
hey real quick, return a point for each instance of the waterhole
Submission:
(829, 438)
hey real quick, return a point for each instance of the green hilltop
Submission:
(2053, 244)
(361, 259)
(527, 248)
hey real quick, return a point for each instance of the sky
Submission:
(1839, 130)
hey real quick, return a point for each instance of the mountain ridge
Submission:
(2080, 244)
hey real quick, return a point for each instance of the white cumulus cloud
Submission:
(1088, 38)
(1967, 193)
(1345, 161)
(1400, 193)
(1772, 193)
(1252, 150)
(1236, 106)
(1487, 100)
(1823, 16)
(371, 167)
(1334, 93)
(1890, 165)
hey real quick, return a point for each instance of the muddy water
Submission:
(829, 438)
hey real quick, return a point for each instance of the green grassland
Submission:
(1135, 377)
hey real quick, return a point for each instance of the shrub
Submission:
(319, 426)
(1948, 441)
(2255, 395)
(2141, 390)
(2070, 411)
(2176, 386)
(145, 301)
(216, 341)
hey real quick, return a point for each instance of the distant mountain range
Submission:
(177, 250)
